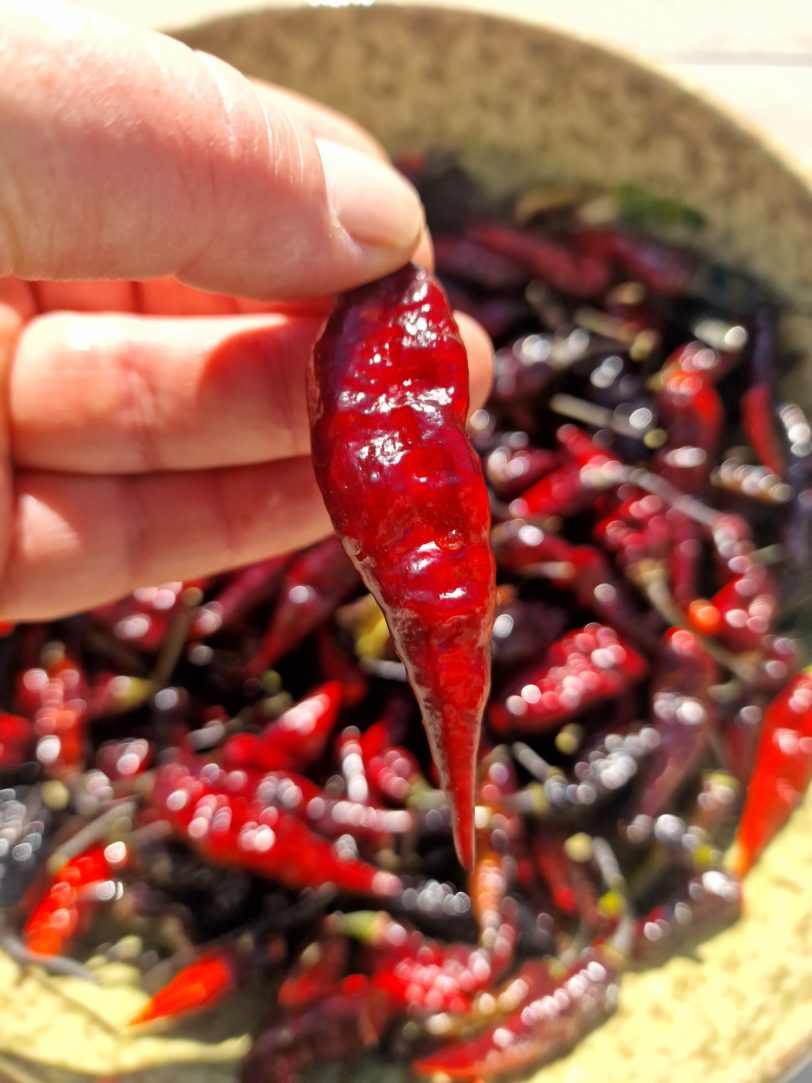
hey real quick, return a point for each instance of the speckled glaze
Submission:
(519, 103)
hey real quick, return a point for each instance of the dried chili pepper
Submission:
(313, 584)
(203, 984)
(782, 771)
(219, 817)
(556, 1012)
(581, 669)
(244, 590)
(60, 912)
(316, 973)
(388, 405)
(294, 740)
(757, 404)
(682, 711)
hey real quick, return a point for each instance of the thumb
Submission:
(127, 155)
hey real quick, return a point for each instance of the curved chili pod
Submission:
(204, 983)
(388, 400)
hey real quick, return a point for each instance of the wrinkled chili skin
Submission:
(388, 401)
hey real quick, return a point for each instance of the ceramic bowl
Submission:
(519, 103)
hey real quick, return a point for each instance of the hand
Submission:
(151, 431)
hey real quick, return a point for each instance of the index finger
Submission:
(126, 155)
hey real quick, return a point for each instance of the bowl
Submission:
(519, 103)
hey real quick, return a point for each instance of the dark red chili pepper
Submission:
(391, 769)
(782, 771)
(513, 465)
(233, 828)
(588, 470)
(581, 669)
(523, 629)
(61, 911)
(664, 268)
(757, 403)
(329, 816)
(710, 901)
(335, 1028)
(698, 357)
(337, 665)
(314, 583)
(143, 617)
(690, 409)
(553, 1016)
(565, 270)
(125, 758)
(683, 557)
(404, 488)
(203, 984)
(683, 713)
(245, 589)
(316, 973)
(741, 613)
(293, 741)
(478, 264)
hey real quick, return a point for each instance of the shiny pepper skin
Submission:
(581, 669)
(56, 698)
(294, 740)
(220, 816)
(388, 400)
(782, 771)
(553, 1016)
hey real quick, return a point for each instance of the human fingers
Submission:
(218, 186)
(124, 394)
(77, 541)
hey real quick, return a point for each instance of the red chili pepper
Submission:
(698, 357)
(683, 557)
(391, 769)
(582, 275)
(16, 741)
(588, 470)
(245, 589)
(293, 741)
(710, 901)
(478, 264)
(741, 613)
(330, 816)
(758, 406)
(683, 713)
(314, 583)
(662, 267)
(637, 529)
(62, 911)
(337, 1027)
(581, 669)
(200, 985)
(125, 758)
(404, 488)
(690, 409)
(229, 825)
(337, 665)
(56, 698)
(512, 465)
(782, 771)
(316, 973)
(551, 1018)
(143, 617)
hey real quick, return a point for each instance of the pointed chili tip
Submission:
(463, 829)
(145, 1015)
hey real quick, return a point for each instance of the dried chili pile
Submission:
(244, 755)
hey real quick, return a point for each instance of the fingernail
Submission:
(373, 203)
